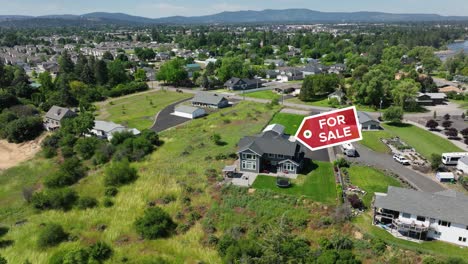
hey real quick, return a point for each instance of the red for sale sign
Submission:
(330, 129)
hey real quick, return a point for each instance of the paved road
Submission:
(385, 162)
(166, 120)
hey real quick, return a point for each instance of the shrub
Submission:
(119, 173)
(341, 163)
(393, 114)
(71, 171)
(436, 161)
(100, 251)
(76, 256)
(86, 202)
(86, 147)
(155, 223)
(3, 230)
(119, 137)
(111, 191)
(3, 260)
(23, 129)
(355, 202)
(107, 202)
(54, 199)
(51, 235)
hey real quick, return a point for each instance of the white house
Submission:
(423, 216)
(105, 129)
(189, 111)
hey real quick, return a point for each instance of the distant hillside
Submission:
(265, 16)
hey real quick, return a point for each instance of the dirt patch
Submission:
(13, 154)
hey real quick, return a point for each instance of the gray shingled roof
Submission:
(447, 205)
(186, 109)
(207, 98)
(268, 143)
(58, 113)
(364, 117)
(107, 126)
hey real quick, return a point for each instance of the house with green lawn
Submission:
(270, 152)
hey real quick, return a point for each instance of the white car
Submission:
(401, 159)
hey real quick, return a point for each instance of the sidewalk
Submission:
(457, 143)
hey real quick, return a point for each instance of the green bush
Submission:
(100, 251)
(107, 202)
(54, 199)
(86, 202)
(111, 191)
(71, 171)
(23, 129)
(155, 223)
(51, 235)
(86, 147)
(119, 173)
(3, 260)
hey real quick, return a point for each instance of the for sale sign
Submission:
(330, 129)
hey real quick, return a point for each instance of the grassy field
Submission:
(372, 140)
(425, 142)
(462, 104)
(182, 161)
(138, 110)
(268, 94)
(290, 121)
(371, 180)
(323, 102)
(318, 185)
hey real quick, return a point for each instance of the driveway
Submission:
(165, 119)
(385, 162)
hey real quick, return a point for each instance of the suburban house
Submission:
(337, 68)
(367, 122)
(55, 115)
(189, 111)
(271, 151)
(431, 98)
(422, 215)
(192, 68)
(242, 84)
(291, 74)
(205, 99)
(105, 129)
(272, 74)
(338, 95)
(277, 63)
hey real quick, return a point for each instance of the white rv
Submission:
(452, 158)
(349, 150)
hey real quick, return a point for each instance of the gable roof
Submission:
(58, 113)
(208, 98)
(364, 117)
(267, 142)
(277, 128)
(446, 205)
(107, 126)
(187, 109)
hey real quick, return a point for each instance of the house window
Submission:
(444, 223)
(271, 155)
(249, 165)
(280, 156)
(288, 167)
(249, 156)
(437, 233)
(406, 215)
(421, 218)
(432, 220)
(462, 239)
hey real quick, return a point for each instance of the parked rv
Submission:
(453, 157)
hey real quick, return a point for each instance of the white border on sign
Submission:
(334, 144)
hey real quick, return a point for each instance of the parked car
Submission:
(401, 159)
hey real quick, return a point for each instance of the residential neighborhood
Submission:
(205, 133)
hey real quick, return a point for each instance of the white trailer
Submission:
(453, 157)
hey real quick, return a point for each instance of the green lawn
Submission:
(370, 180)
(268, 94)
(138, 110)
(322, 102)
(462, 104)
(371, 139)
(425, 142)
(181, 161)
(290, 121)
(319, 185)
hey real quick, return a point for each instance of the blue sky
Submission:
(163, 8)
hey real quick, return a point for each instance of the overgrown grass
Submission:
(322, 102)
(268, 94)
(291, 122)
(139, 110)
(425, 142)
(372, 140)
(180, 163)
(318, 185)
(371, 180)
